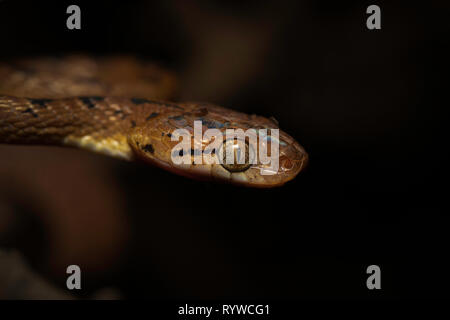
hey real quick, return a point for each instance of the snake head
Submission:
(195, 142)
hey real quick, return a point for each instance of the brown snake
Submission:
(115, 106)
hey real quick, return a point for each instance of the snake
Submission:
(120, 106)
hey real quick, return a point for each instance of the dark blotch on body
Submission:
(133, 123)
(29, 110)
(148, 148)
(140, 100)
(212, 124)
(172, 105)
(177, 118)
(88, 102)
(154, 114)
(40, 102)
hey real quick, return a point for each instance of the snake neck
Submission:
(98, 124)
(83, 122)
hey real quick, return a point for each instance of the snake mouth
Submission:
(293, 160)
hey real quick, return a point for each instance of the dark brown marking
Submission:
(154, 114)
(148, 148)
(211, 123)
(39, 102)
(30, 111)
(88, 102)
(140, 100)
(177, 118)
(171, 105)
(133, 123)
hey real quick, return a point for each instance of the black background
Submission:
(368, 106)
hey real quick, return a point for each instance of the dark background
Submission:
(368, 106)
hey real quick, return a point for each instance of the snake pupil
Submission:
(235, 152)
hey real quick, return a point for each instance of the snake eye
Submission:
(238, 155)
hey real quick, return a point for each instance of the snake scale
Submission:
(116, 106)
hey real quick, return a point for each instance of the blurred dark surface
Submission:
(368, 106)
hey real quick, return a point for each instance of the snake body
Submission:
(103, 105)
